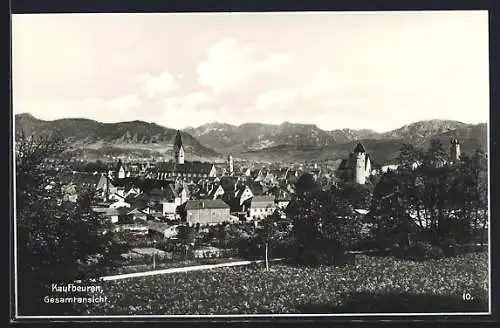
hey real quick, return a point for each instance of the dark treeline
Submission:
(440, 203)
(58, 240)
(428, 207)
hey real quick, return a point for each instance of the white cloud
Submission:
(189, 102)
(190, 110)
(276, 100)
(126, 102)
(377, 70)
(157, 85)
(231, 63)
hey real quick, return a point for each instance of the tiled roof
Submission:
(228, 183)
(205, 204)
(188, 167)
(112, 211)
(136, 211)
(167, 193)
(160, 226)
(263, 199)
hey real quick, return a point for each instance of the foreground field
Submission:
(374, 284)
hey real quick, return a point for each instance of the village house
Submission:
(162, 230)
(206, 212)
(193, 170)
(205, 252)
(282, 198)
(261, 207)
(163, 200)
(137, 215)
(106, 187)
(113, 214)
(139, 228)
(119, 203)
(236, 195)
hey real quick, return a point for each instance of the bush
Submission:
(316, 257)
(420, 251)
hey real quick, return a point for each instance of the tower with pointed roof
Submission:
(230, 164)
(178, 149)
(120, 170)
(454, 150)
(360, 164)
(358, 167)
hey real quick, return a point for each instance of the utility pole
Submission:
(267, 260)
(154, 253)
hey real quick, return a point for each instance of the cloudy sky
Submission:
(336, 70)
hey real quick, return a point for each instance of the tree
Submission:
(188, 236)
(472, 190)
(266, 234)
(359, 196)
(409, 155)
(324, 225)
(390, 209)
(436, 202)
(436, 155)
(58, 241)
(306, 184)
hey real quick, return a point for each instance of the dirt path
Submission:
(183, 269)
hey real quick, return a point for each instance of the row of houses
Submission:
(176, 200)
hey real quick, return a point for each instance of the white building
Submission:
(261, 207)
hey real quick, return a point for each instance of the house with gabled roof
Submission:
(137, 214)
(207, 212)
(262, 206)
(162, 229)
(106, 186)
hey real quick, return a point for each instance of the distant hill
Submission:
(298, 142)
(420, 132)
(251, 141)
(256, 136)
(381, 151)
(96, 139)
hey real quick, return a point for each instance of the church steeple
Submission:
(178, 149)
(178, 140)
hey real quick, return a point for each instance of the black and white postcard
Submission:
(226, 165)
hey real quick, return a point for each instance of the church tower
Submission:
(454, 150)
(359, 158)
(230, 163)
(178, 149)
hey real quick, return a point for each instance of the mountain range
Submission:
(95, 139)
(288, 141)
(250, 141)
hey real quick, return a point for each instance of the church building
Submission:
(180, 168)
